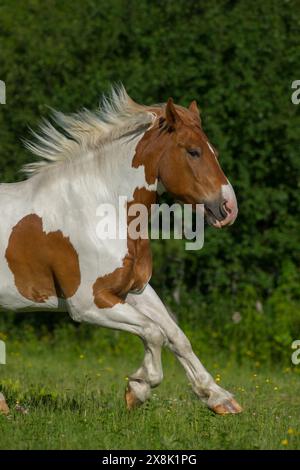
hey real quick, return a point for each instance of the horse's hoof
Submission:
(229, 406)
(3, 405)
(131, 399)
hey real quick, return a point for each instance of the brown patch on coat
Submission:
(136, 271)
(144, 155)
(113, 288)
(43, 264)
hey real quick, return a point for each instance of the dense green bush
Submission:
(238, 59)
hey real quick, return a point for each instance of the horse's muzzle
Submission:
(223, 209)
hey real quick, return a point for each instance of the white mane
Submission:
(84, 131)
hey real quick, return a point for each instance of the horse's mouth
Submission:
(211, 218)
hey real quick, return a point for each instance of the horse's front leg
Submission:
(215, 397)
(123, 316)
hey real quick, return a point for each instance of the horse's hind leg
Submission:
(123, 316)
(3, 405)
(150, 374)
(215, 397)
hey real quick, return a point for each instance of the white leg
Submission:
(127, 318)
(202, 382)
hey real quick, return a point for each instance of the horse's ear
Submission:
(172, 116)
(193, 107)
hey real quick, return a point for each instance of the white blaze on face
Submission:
(211, 149)
(228, 192)
(229, 198)
(230, 205)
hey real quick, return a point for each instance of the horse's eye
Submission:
(195, 153)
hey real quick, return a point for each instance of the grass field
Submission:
(66, 394)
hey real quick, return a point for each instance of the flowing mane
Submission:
(78, 133)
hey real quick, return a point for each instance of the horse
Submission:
(51, 256)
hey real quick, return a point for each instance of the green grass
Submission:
(73, 391)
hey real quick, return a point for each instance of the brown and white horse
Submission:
(51, 256)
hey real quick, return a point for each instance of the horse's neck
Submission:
(101, 176)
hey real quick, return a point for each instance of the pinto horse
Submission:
(51, 255)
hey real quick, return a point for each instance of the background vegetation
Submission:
(67, 393)
(238, 59)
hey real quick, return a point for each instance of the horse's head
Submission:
(189, 167)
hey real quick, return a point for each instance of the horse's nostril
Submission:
(223, 209)
(227, 209)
